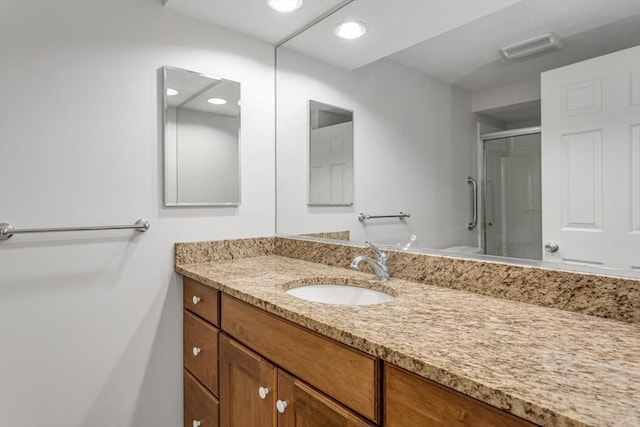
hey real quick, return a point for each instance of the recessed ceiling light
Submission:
(171, 92)
(284, 6)
(350, 30)
(217, 101)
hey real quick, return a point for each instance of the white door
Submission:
(331, 165)
(591, 161)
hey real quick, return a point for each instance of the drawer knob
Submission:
(281, 405)
(195, 423)
(195, 300)
(196, 351)
(262, 392)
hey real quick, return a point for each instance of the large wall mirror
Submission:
(522, 114)
(201, 139)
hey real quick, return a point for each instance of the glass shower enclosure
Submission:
(512, 194)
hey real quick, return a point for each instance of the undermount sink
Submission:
(343, 294)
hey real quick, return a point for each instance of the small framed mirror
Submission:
(330, 155)
(201, 139)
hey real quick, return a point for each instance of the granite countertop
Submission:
(549, 366)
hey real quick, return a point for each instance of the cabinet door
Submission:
(247, 387)
(299, 405)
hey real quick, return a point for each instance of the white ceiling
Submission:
(194, 89)
(467, 56)
(392, 25)
(453, 40)
(253, 17)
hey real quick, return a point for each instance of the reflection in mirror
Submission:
(330, 155)
(538, 101)
(201, 139)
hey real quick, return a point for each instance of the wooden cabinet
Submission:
(201, 315)
(247, 387)
(254, 392)
(306, 407)
(347, 375)
(411, 400)
(267, 371)
(201, 300)
(201, 408)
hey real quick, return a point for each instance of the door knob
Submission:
(281, 405)
(551, 247)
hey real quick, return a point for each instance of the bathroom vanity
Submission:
(296, 377)
(433, 356)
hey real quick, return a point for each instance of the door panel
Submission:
(242, 373)
(582, 180)
(591, 161)
(307, 407)
(331, 165)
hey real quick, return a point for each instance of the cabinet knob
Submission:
(196, 351)
(195, 423)
(262, 392)
(281, 405)
(195, 300)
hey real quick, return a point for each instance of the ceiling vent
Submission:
(545, 43)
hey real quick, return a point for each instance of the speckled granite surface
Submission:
(549, 366)
(334, 235)
(219, 250)
(608, 297)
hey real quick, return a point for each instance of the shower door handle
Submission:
(474, 203)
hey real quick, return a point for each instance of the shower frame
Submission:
(488, 136)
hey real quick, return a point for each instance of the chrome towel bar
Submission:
(401, 215)
(7, 230)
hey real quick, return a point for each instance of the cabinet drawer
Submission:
(201, 300)
(411, 400)
(200, 350)
(345, 374)
(199, 404)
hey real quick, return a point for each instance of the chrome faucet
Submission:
(381, 265)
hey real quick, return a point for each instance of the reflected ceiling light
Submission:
(350, 30)
(284, 6)
(171, 92)
(532, 46)
(217, 101)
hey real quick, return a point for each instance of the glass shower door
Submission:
(512, 197)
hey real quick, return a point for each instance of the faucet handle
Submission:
(409, 243)
(381, 255)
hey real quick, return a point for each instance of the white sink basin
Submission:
(340, 294)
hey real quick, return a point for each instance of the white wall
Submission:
(507, 94)
(414, 145)
(91, 324)
(204, 163)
